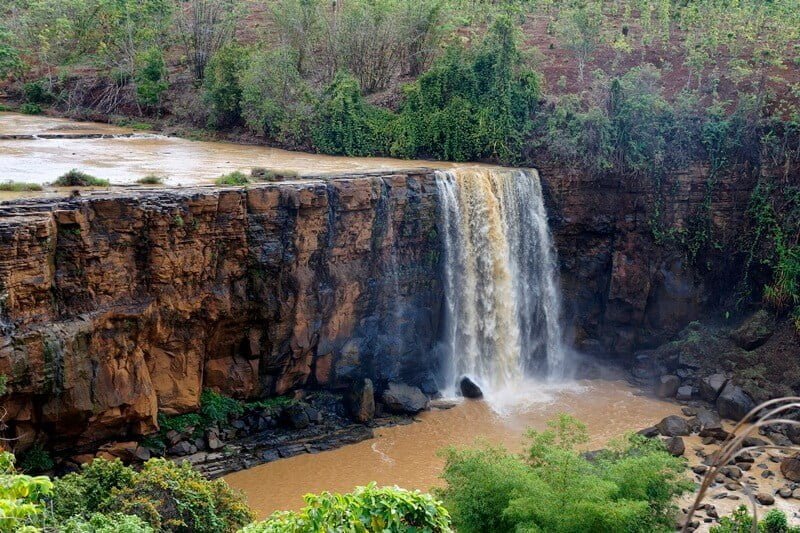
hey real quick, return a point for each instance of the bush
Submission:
(76, 178)
(234, 178)
(30, 109)
(22, 497)
(368, 509)
(151, 179)
(740, 521)
(471, 104)
(151, 78)
(106, 523)
(345, 124)
(36, 93)
(276, 101)
(177, 498)
(18, 186)
(222, 90)
(80, 494)
(627, 489)
(36, 460)
(218, 409)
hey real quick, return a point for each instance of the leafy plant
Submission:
(22, 497)
(740, 521)
(18, 186)
(151, 179)
(36, 460)
(221, 85)
(628, 488)
(218, 409)
(76, 178)
(368, 509)
(106, 523)
(234, 178)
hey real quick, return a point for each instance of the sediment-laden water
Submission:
(407, 455)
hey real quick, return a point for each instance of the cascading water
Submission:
(502, 299)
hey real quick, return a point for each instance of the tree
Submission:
(580, 27)
(204, 27)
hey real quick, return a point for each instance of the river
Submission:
(123, 155)
(407, 455)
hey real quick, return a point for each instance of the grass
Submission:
(20, 186)
(151, 179)
(234, 178)
(76, 178)
(269, 174)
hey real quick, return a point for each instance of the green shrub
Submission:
(29, 108)
(222, 90)
(106, 523)
(37, 93)
(218, 409)
(36, 460)
(740, 521)
(234, 178)
(80, 494)
(177, 498)
(76, 178)
(276, 101)
(345, 124)
(18, 186)
(22, 498)
(368, 509)
(627, 489)
(471, 104)
(151, 179)
(268, 174)
(151, 77)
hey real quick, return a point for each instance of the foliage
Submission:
(19, 186)
(471, 104)
(151, 179)
(276, 101)
(222, 90)
(21, 497)
(36, 460)
(10, 61)
(234, 178)
(555, 489)
(177, 498)
(76, 178)
(740, 521)
(218, 409)
(345, 124)
(30, 109)
(151, 77)
(165, 496)
(367, 509)
(106, 523)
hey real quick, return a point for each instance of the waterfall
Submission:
(502, 300)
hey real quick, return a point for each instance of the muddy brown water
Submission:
(132, 155)
(407, 455)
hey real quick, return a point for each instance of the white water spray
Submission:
(501, 289)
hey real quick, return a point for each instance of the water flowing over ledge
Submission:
(502, 300)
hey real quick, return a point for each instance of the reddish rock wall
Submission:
(119, 305)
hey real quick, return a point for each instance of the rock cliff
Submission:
(117, 306)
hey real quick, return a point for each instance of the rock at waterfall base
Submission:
(361, 401)
(667, 386)
(673, 426)
(401, 398)
(469, 389)
(733, 402)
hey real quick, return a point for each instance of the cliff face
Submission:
(628, 277)
(117, 306)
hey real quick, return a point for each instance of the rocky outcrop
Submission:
(120, 305)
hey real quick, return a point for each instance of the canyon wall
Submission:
(119, 305)
(624, 288)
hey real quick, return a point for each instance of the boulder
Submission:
(684, 393)
(733, 402)
(711, 386)
(667, 386)
(765, 499)
(402, 398)
(469, 389)
(790, 468)
(648, 432)
(181, 448)
(675, 446)
(360, 401)
(673, 426)
(295, 416)
(212, 439)
(754, 331)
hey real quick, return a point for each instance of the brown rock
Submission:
(790, 468)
